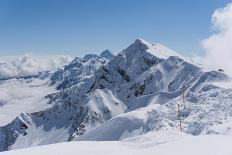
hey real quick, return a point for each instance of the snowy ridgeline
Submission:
(135, 93)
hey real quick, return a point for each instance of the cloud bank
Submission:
(22, 95)
(27, 65)
(219, 45)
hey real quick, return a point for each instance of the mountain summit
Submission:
(106, 54)
(156, 49)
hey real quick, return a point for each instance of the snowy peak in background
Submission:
(107, 54)
(156, 49)
(80, 69)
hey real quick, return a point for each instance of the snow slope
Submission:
(175, 145)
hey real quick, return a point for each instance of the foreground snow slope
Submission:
(174, 145)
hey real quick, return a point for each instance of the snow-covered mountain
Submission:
(136, 92)
(79, 69)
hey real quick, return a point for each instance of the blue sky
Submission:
(76, 27)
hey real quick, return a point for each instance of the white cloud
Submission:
(28, 65)
(18, 95)
(21, 95)
(219, 45)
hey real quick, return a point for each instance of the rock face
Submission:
(110, 97)
(79, 69)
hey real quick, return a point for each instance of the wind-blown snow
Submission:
(27, 65)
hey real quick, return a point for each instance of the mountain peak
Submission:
(106, 54)
(141, 41)
(90, 56)
(156, 49)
